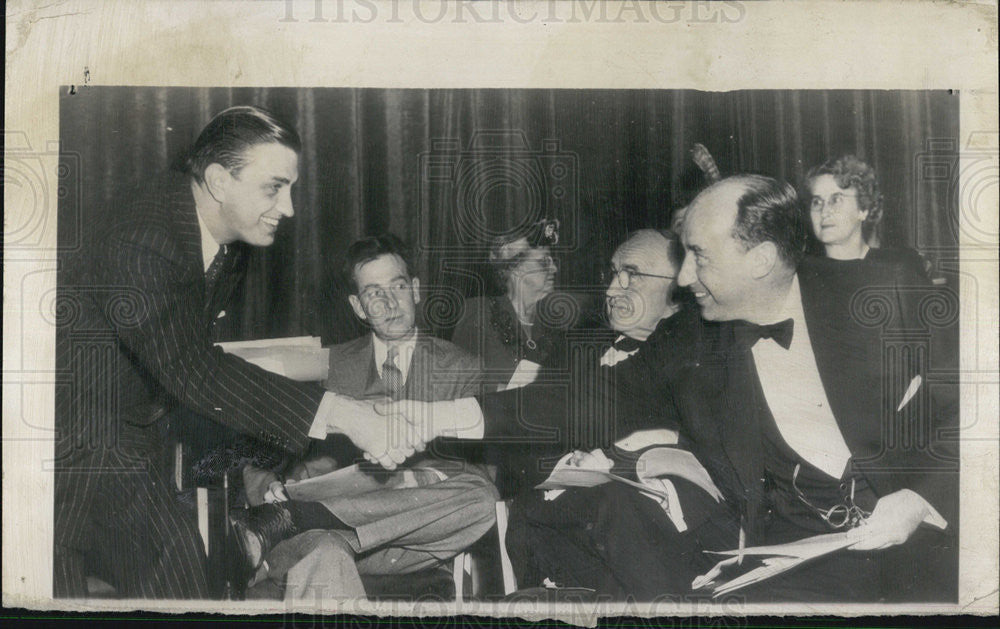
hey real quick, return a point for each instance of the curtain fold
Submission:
(445, 169)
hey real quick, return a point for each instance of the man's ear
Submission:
(217, 180)
(762, 259)
(415, 287)
(356, 306)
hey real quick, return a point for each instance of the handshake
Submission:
(390, 432)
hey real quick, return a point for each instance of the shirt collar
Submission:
(209, 248)
(402, 358)
(791, 308)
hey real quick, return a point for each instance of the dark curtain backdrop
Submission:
(446, 169)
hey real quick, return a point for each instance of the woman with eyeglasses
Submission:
(512, 332)
(845, 206)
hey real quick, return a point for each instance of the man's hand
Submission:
(593, 460)
(256, 482)
(893, 521)
(387, 441)
(414, 414)
(276, 492)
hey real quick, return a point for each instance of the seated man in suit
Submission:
(806, 426)
(611, 538)
(360, 521)
(796, 406)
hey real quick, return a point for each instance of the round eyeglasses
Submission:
(625, 275)
(835, 202)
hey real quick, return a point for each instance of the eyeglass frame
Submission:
(611, 272)
(853, 514)
(833, 202)
(375, 293)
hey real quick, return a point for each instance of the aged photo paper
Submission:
(97, 90)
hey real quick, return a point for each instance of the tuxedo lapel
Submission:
(741, 416)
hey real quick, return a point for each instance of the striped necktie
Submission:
(392, 377)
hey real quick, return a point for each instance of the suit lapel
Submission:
(416, 373)
(184, 220)
(368, 380)
(741, 421)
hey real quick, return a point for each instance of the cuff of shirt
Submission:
(462, 419)
(329, 407)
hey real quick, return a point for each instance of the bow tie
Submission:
(781, 332)
(626, 344)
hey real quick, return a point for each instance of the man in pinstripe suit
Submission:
(137, 341)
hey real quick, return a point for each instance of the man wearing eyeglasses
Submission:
(610, 538)
(360, 521)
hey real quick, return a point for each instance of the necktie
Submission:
(781, 332)
(215, 269)
(621, 350)
(392, 377)
(626, 344)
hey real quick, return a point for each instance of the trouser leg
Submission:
(616, 541)
(316, 565)
(68, 573)
(393, 531)
(145, 543)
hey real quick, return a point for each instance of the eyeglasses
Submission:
(838, 516)
(835, 202)
(373, 293)
(625, 275)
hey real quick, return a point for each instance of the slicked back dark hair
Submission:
(768, 211)
(228, 137)
(367, 249)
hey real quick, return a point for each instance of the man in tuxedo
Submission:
(359, 522)
(138, 342)
(810, 426)
(798, 409)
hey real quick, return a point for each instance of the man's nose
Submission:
(687, 276)
(284, 204)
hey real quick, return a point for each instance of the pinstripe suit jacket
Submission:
(135, 335)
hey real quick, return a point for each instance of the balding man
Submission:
(611, 538)
(795, 406)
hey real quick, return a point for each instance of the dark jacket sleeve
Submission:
(158, 314)
(593, 409)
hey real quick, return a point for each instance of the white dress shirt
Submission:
(613, 355)
(209, 248)
(795, 394)
(404, 354)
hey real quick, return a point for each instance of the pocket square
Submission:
(910, 391)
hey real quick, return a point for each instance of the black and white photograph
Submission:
(707, 323)
(501, 348)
